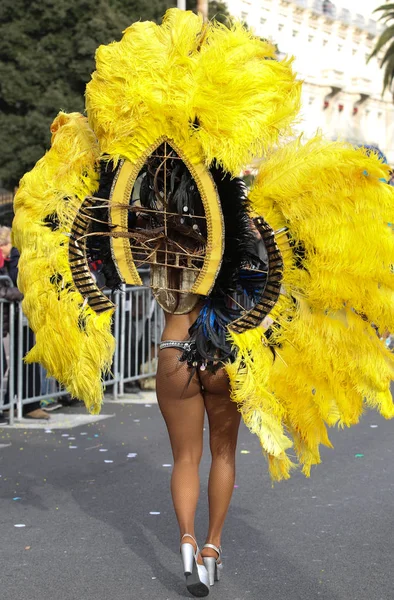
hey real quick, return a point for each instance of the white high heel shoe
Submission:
(197, 581)
(213, 565)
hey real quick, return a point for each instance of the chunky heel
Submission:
(210, 565)
(197, 580)
(213, 565)
(187, 552)
(219, 569)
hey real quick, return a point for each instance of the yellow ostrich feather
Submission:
(330, 363)
(260, 409)
(53, 192)
(331, 196)
(217, 92)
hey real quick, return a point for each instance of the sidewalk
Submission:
(76, 415)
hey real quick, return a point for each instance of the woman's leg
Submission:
(182, 406)
(224, 420)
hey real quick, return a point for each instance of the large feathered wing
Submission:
(338, 286)
(72, 342)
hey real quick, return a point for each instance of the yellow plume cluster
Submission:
(72, 342)
(329, 361)
(216, 92)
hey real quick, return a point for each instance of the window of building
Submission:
(359, 21)
(317, 6)
(280, 26)
(328, 8)
(310, 38)
(346, 16)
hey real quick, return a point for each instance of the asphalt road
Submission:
(89, 532)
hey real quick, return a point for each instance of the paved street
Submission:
(98, 522)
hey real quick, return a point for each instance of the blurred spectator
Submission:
(10, 293)
(30, 373)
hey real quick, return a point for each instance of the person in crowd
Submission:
(30, 373)
(8, 293)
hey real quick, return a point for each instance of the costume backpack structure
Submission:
(290, 279)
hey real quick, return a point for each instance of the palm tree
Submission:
(387, 36)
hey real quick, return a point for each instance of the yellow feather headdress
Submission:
(221, 98)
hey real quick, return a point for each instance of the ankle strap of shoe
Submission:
(216, 548)
(190, 536)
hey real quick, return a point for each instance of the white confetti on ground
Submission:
(136, 420)
(373, 426)
(103, 450)
(48, 430)
(108, 461)
(84, 433)
(132, 455)
(20, 525)
(65, 434)
(154, 513)
(166, 465)
(71, 438)
(73, 447)
(148, 406)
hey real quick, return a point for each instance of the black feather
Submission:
(99, 247)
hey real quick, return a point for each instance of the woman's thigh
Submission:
(181, 404)
(223, 415)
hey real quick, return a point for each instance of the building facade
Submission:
(331, 41)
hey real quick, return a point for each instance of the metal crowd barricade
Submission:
(137, 326)
(31, 385)
(141, 326)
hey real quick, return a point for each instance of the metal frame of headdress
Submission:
(120, 236)
(254, 317)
